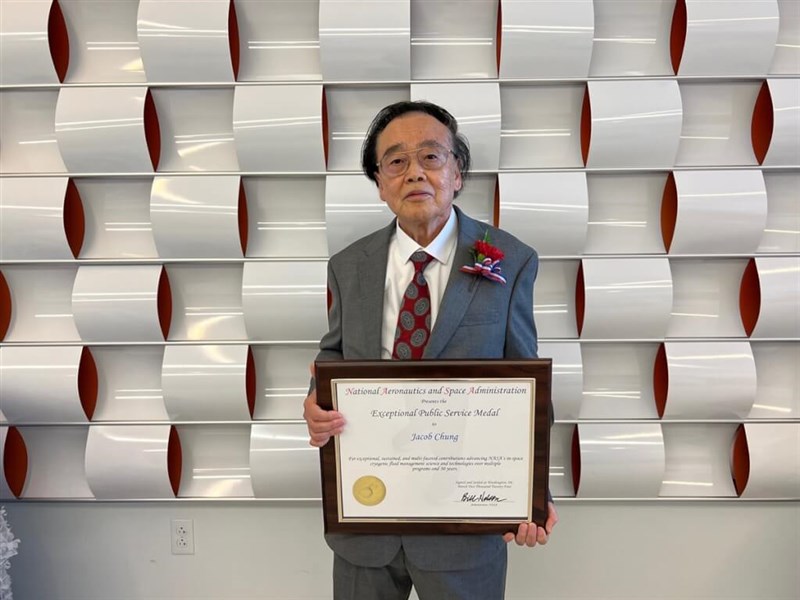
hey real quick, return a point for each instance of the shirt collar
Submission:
(441, 248)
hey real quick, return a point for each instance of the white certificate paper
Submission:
(442, 450)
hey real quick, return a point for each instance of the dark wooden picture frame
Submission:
(538, 369)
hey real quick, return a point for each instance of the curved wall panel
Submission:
(772, 463)
(706, 298)
(41, 303)
(133, 461)
(618, 381)
(548, 136)
(454, 40)
(279, 128)
(786, 59)
(121, 303)
(278, 40)
(778, 380)
(278, 227)
(718, 212)
(187, 45)
(618, 460)
(55, 462)
(782, 230)
(350, 111)
(105, 129)
(41, 384)
(634, 123)
(207, 302)
(561, 32)
(352, 208)
(567, 382)
(479, 198)
(197, 217)
(554, 299)
(624, 213)
(282, 374)
(716, 123)
(215, 461)
(361, 41)
(196, 129)
(117, 214)
(561, 477)
(729, 38)
(282, 464)
(25, 55)
(779, 284)
(102, 41)
(624, 297)
(208, 383)
(705, 380)
(476, 107)
(27, 132)
(698, 460)
(285, 301)
(129, 383)
(784, 146)
(631, 38)
(34, 218)
(545, 210)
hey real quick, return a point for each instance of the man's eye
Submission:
(399, 160)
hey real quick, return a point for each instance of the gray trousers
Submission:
(394, 581)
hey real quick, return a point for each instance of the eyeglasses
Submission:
(432, 158)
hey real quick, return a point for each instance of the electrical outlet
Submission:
(182, 536)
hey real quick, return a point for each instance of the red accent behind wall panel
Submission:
(74, 220)
(152, 131)
(762, 124)
(661, 380)
(750, 297)
(15, 461)
(164, 303)
(677, 34)
(250, 382)
(5, 306)
(576, 460)
(233, 39)
(174, 459)
(740, 460)
(586, 125)
(58, 40)
(87, 383)
(243, 221)
(669, 211)
(580, 299)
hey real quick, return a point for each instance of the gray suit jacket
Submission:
(478, 318)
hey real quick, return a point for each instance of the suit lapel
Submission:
(461, 287)
(371, 282)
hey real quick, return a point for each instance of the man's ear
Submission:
(458, 184)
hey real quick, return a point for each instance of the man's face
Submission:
(421, 198)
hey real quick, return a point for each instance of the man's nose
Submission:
(415, 172)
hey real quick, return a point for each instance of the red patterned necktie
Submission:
(414, 320)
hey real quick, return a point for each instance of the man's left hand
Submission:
(530, 534)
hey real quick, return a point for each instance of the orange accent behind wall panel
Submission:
(750, 297)
(677, 34)
(661, 380)
(669, 211)
(87, 383)
(762, 124)
(164, 303)
(576, 460)
(325, 125)
(580, 299)
(250, 382)
(74, 220)
(174, 460)
(499, 34)
(740, 460)
(233, 39)
(58, 40)
(586, 125)
(5, 306)
(152, 131)
(496, 215)
(243, 222)
(15, 461)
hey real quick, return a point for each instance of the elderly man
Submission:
(400, 293)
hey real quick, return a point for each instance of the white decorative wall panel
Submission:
(362, 41)
(129, 383)
(782, 230)
(784, 146)
(282, 376)
(561, 460)
(28, 133)
(779, 283)
(554, 299)
(352, 206)
(25, 56)
(279, 128)
(778, 380)
(186, 45)
(546, 210)
(568, 375)
(55, 462)
(787, 47)
(560, 31)
(215, 461)
(282, 463)
(769, 477)
(698, 460)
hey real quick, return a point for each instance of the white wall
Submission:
(601, 550)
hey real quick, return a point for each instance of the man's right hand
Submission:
(322, 424)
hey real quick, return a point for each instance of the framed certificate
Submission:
(436, 446)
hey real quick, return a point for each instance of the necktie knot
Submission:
(421, 259)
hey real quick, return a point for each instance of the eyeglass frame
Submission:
(417, 150)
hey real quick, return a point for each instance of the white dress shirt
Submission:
(400, 270)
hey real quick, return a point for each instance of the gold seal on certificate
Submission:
(369, 490)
